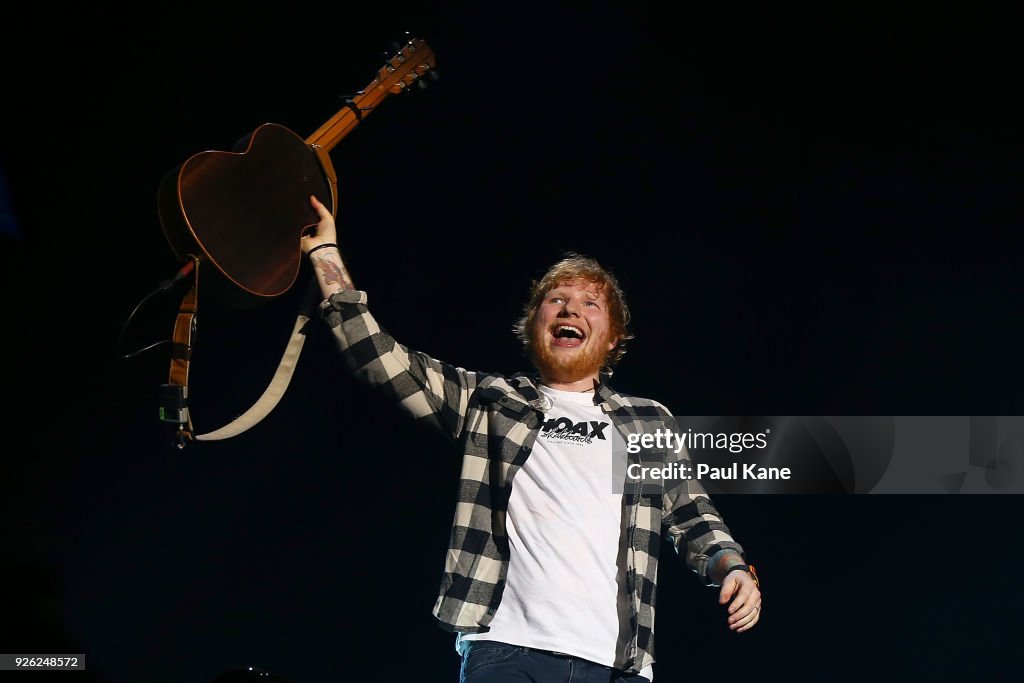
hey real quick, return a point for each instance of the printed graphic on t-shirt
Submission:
(562, 430)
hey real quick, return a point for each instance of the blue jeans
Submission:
(486, 661)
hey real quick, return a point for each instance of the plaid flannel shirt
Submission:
(494, 420)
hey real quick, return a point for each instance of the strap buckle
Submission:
(173, 403)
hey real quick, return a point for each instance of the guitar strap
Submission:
(174, 395)
(274, 391)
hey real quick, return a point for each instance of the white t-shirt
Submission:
(565, 588)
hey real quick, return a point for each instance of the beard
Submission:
(567, 367)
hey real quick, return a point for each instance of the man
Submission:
(552, 578)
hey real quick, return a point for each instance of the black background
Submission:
(813, 210)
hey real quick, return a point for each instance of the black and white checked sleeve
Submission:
(691, 522)
(432, 391)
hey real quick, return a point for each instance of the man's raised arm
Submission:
(432, 391)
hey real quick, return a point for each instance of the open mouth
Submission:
(568, 336)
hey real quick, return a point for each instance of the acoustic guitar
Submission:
(244, 211)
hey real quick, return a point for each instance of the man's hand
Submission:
(326, 233)
(330, 270)
(745, 608)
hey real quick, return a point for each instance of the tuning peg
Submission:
(421, 83)
(434, 75)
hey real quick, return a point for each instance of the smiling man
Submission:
(568, 329)
(550, 573)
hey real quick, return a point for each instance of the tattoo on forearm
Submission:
(727, 560)
(331, 272)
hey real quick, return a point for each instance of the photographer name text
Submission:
(730, 471)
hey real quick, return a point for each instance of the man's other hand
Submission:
(745, 606)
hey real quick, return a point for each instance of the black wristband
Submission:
(321, 246)
(748, 568)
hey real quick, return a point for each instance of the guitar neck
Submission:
(411, 62)
(342, 123)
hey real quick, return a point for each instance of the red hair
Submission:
(575, 267)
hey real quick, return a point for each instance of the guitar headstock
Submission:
(410, 63)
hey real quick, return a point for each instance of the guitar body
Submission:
(245, 211)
